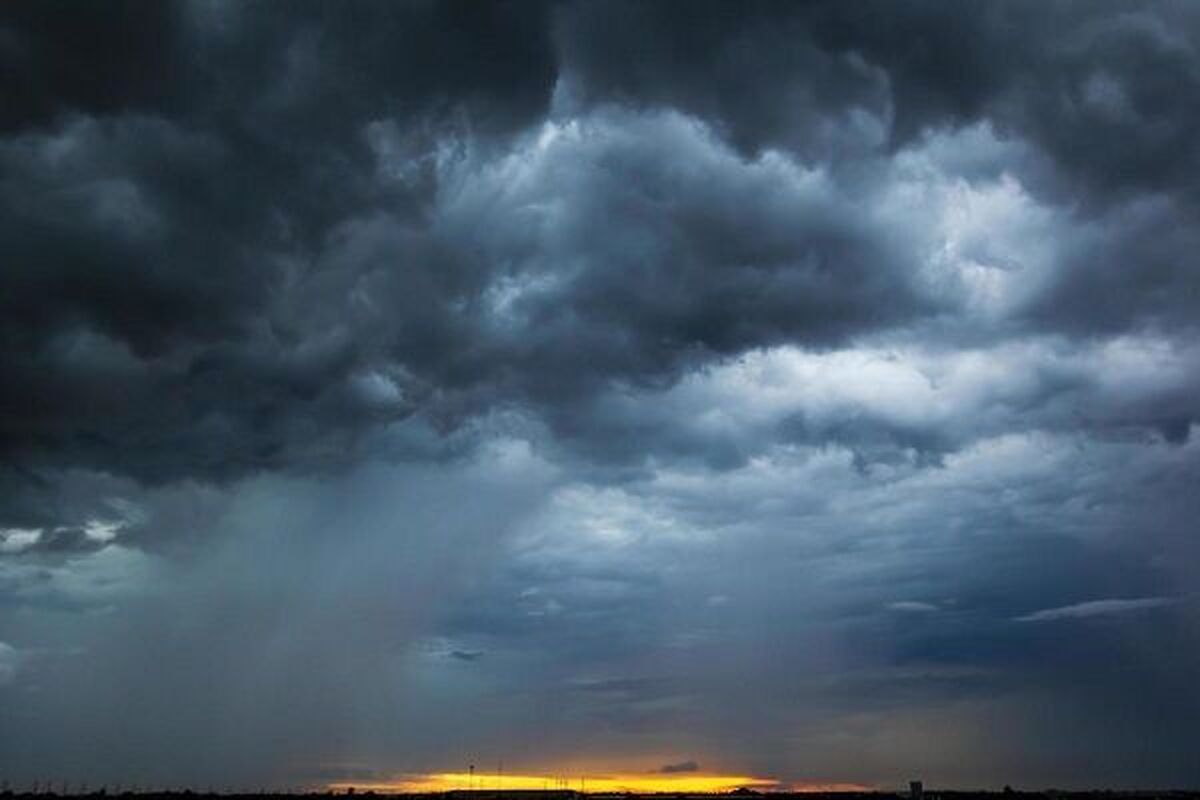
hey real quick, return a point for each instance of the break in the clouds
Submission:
(808, 389)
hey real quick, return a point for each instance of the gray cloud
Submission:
(265, 303)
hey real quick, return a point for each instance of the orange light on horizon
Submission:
(642, 782)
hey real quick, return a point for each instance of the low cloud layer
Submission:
(809, 389)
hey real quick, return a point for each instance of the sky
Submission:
(801, 393)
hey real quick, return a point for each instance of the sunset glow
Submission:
(619, 782)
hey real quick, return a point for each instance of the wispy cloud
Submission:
(1096, 608)
(10, 663)
(912, 606)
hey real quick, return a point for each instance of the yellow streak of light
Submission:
(633, 782)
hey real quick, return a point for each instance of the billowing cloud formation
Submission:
(575, 385)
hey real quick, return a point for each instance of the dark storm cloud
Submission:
(151, 232)
(200, 59)
(802, 387)
(87, 58)
(1138, 274)
(270, 250)
(160, 339)
(1096, 84)
(1099, 89)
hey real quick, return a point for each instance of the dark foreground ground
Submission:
(929, 794)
